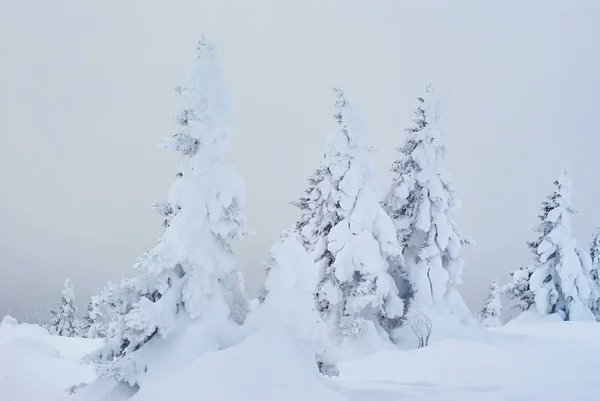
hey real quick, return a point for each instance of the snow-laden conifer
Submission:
(64, 320)
(594, 273)
(93, 324)
(558, 282)
(189, 277)
(518, 291)
(492, 307)
(422, 204)
(349, 235)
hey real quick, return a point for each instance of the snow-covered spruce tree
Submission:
(93, 324)
(349, 235)
(288, 299)
(190, 279)
(594, 273)
(51, 323)
(84, 323)
(422, 204)
(64, 320)
(558, 281)
(318, 210)
(492, 307)
(595, 248)
(268, 264)
(518, 291)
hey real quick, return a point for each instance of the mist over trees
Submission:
(361, 265)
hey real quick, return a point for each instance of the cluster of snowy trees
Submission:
(359, 259)
(65, 322)
(564, 278)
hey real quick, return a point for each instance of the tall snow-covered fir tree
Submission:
(595, 273)
(349, 235)
(64, 320)
(492, 307)
(558, 281)
(190, 279)
(422, 204)
(92, 324)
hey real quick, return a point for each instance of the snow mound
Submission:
(574, 332)
(9, 328)
(532, 316)
(371, 341)
(269, 365)
(37, 366)
(537, 359)
(543, 361)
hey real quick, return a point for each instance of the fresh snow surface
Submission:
(546, 360)
(531, 358)
(267, 366)
(37, 366)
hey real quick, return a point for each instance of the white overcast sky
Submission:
(86, 93)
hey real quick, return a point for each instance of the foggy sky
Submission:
(86, 93)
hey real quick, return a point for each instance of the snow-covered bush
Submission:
(492, 307)
(421, 325)
(288, 300)
(64, 320)
(189, 279)
(422, 204)
(349, 235)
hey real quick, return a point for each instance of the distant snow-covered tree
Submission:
(492, 307)
(422, 204)
(52, 322)
(64, 320)
(189, 278)
(558, 281)
(594, 273)
(288, 301)
(35, 317)
(349, 235)
(518, 291)
(93, 324)
(83, 325)
(269, 263)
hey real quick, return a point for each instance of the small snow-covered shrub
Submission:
(421, 325)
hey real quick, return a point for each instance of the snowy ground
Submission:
(545, 360)
(37, 366)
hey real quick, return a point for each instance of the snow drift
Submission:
(37, 366)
